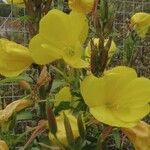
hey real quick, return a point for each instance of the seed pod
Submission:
(69, 132)
(51, 119)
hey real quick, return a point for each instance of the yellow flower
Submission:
(112, 49)
(61, 133)
(14, 58)
(60, 37)
(3, 145)
(83, 6)
(12, 108)
(119, 98)
(141, 23)
(139, 136)
(63, 95)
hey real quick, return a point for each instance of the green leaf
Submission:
(16, 79)
(24, 115)
(117, 138)
(57, 83)
(99, 144)
(104, 10)
(35, 148)
(62, 106)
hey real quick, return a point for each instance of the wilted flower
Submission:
(96, 44)
(139, 135)
(119, 98)
(141, 23)
(12, 108)
(3, 145)
(14, 58)
(60, 37)
(61, 133)
(82, 6)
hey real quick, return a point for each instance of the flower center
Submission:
(111, 105)
(71, 52)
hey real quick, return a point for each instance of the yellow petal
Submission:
(131, 114)
(42, 52)
(14, 58)
(93, 91)
(123, 70)
(105, 115)
(116, 79)
(14, 107)
(141, 23)
(63, 95)
(134, 96)
(54, 28)
(61, 29)
(76, 62)
(11, 73)
(3, 145)
(78, 25)
(139, 136)
(82, 6)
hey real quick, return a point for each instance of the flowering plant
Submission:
(76, 88)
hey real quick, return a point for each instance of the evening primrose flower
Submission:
(119, 98)
(139, 136)
(61, 36)
(14, 58)
(61, 133)
(82, 6)
(111, 51)
(141, 23)
(63, 95)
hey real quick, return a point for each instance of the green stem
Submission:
(18, 139)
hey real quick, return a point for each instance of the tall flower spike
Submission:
(82, 6)
(119, 98)
(61, 36)
(14, 58)
(141, 23)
